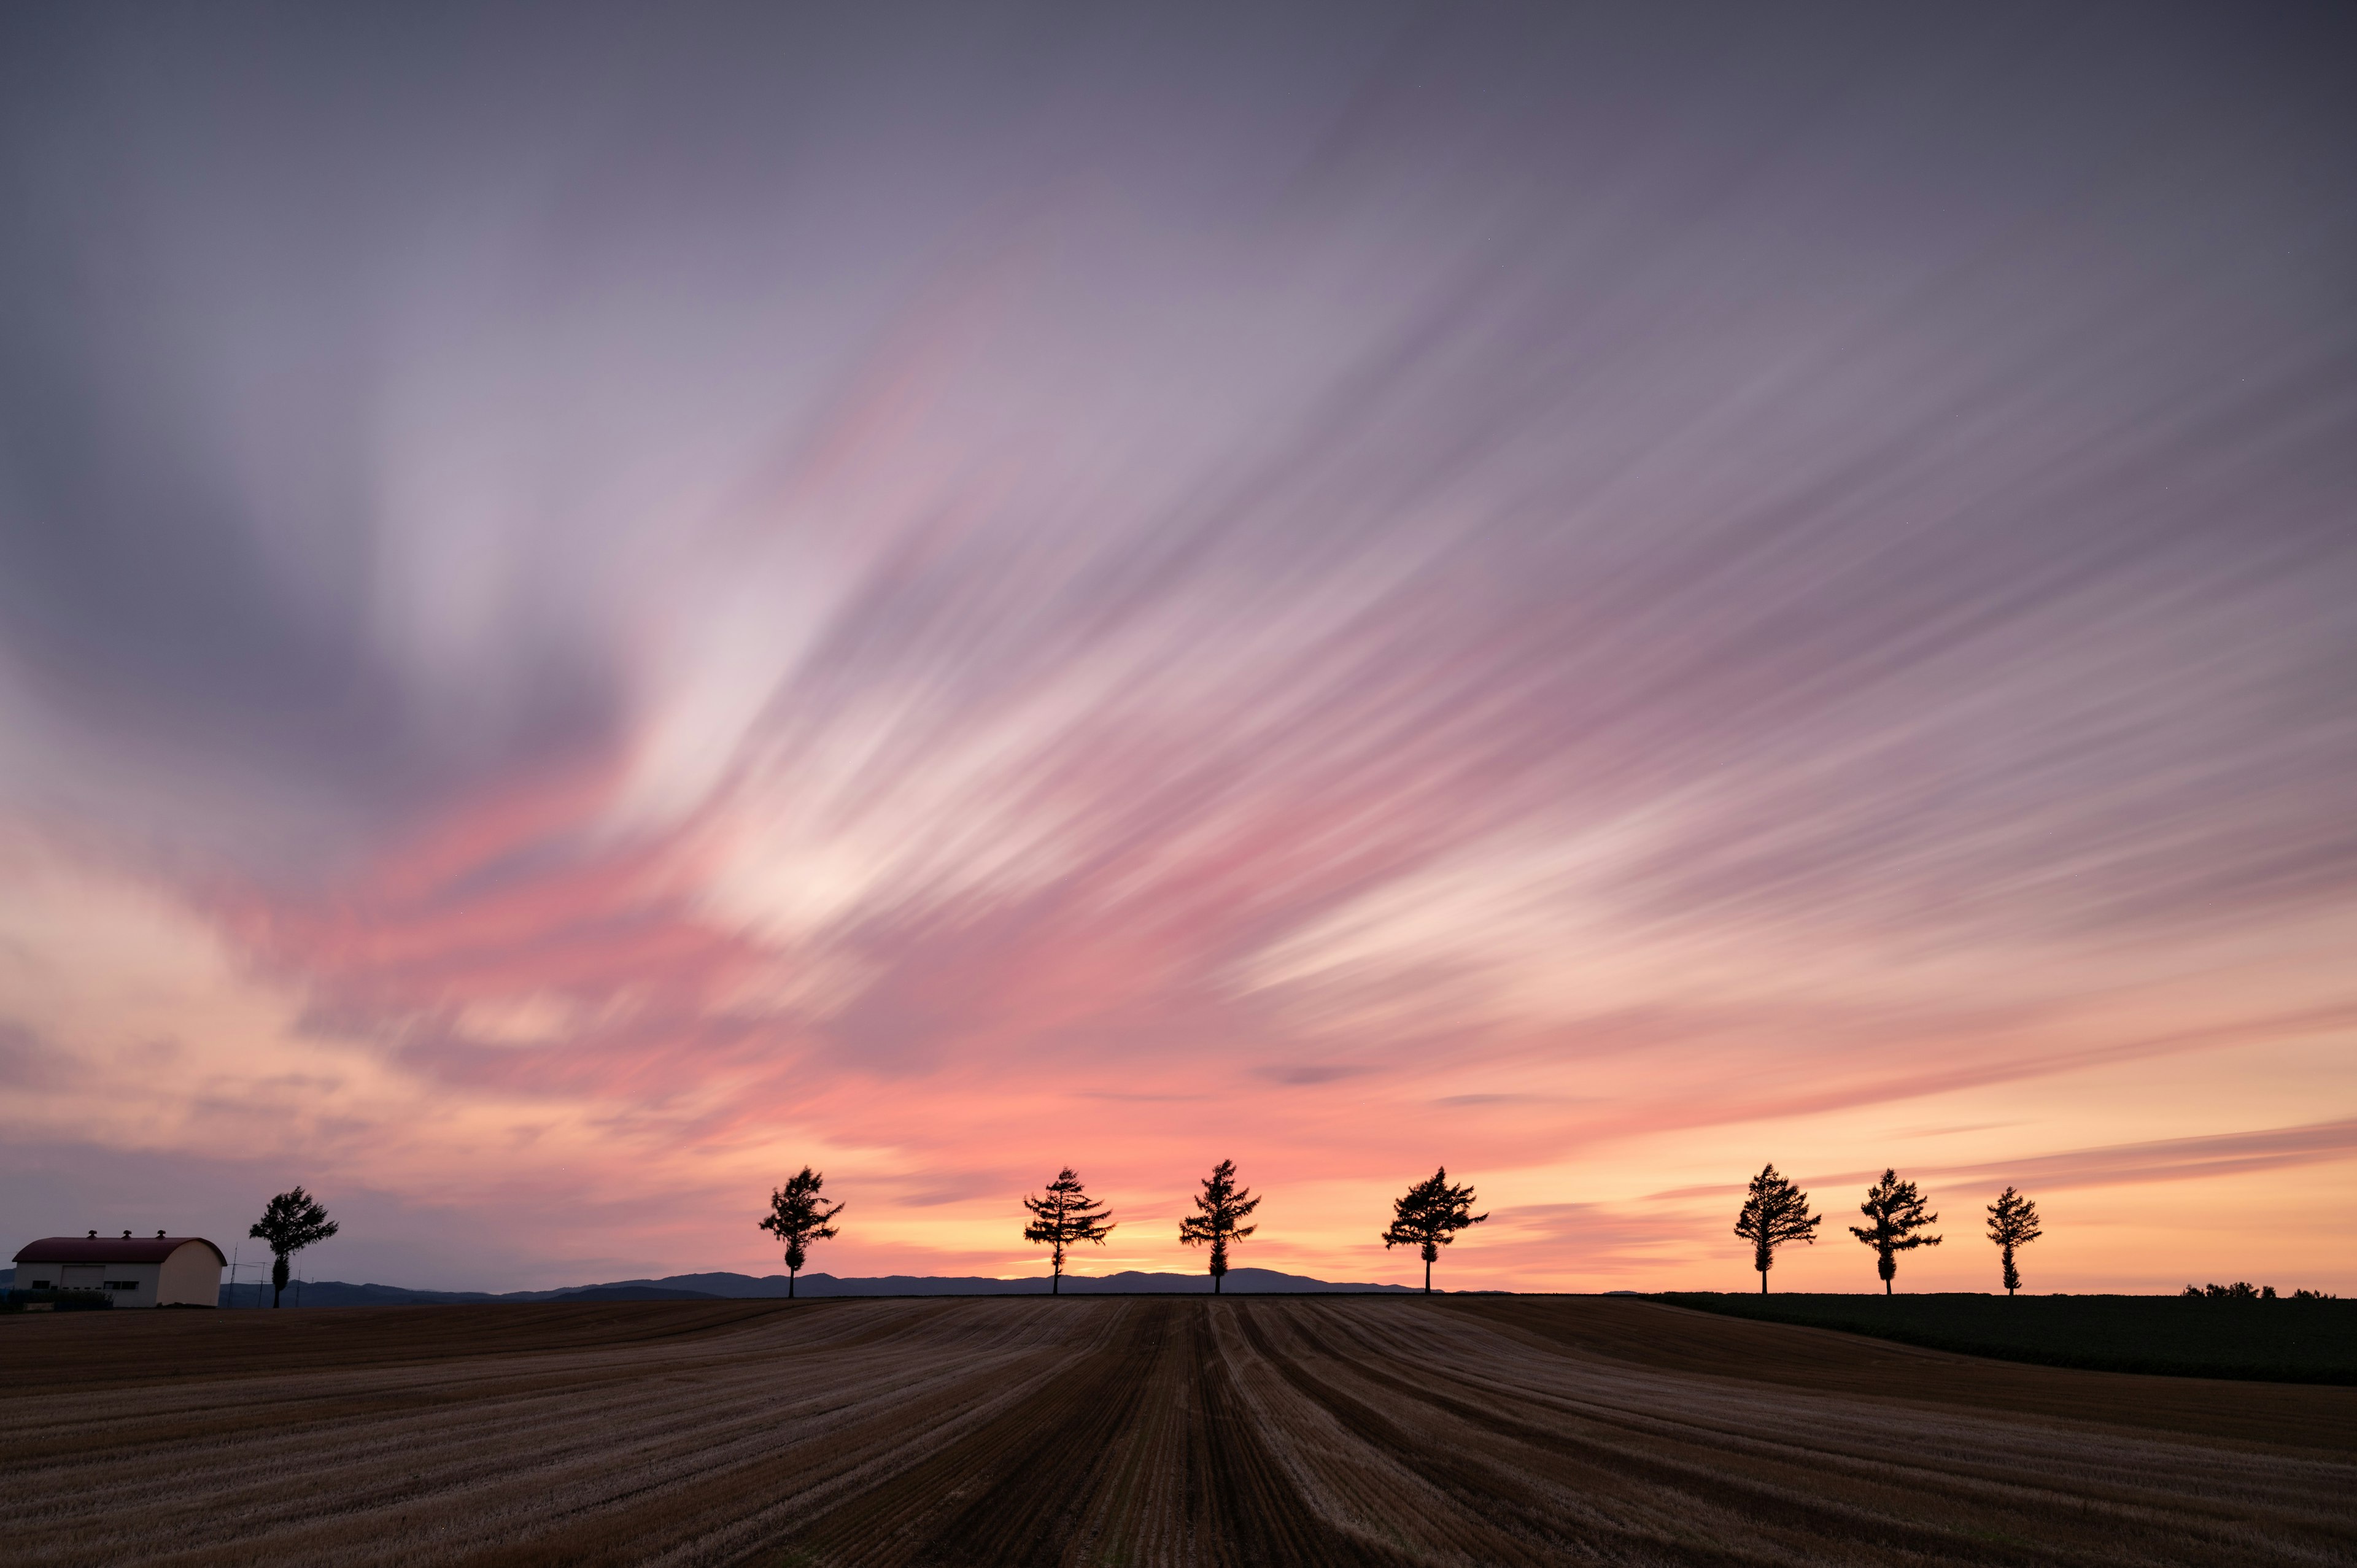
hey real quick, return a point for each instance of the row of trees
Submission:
(2244, 1290)
(1897, 1220)
(1429, 1216)
(1063, 1216)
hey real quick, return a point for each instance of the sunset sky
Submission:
(597, 606)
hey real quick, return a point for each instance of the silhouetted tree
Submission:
(2013, 1222)
(1218, 1208)
(1894, 1212)
(1774, 1212)
(1063, 1216)
(290, 1222)
(1429, 1217)
(797, 1217)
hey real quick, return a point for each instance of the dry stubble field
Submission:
(1131, 1430)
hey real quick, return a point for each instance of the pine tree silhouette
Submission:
(797, 1217)
(2013, 1222)
(1218, 1208)
(1429, 1217)
(1065, 1214)
(1774, 1212)
(1894, 1211)
(290, 1222)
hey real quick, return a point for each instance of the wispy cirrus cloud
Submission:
(945, 604)
(2180, 1159)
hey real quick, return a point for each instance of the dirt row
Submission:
(1826, 1361)
(1132, 1430)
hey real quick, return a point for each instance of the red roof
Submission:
(110, 1248)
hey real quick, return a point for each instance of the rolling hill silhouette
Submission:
(734, 1287)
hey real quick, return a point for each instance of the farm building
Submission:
(158, 1271)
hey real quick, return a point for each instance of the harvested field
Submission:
(1315, 1430)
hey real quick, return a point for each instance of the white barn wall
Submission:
(189, 1277)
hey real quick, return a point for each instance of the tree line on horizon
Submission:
(2244, 1290)
(1427, 1216)
(1430, 1215)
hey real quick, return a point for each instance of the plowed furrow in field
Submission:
(1848, 1478)
(1015, 1489)
(1681, 1341)
(1659, 1476)
(1140, 1432)
(1359, 1468)
(499, 1469)
(1503, 1514)
(1693, 1478)
(2100, 1492)
(1242, 1509)
(721, 1507)
(196, 1345)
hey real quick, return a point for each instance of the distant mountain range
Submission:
(729, 1287)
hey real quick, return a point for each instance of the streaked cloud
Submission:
(2183, 1159)
(1352, 589)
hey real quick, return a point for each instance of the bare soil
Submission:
(1132, 1430)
